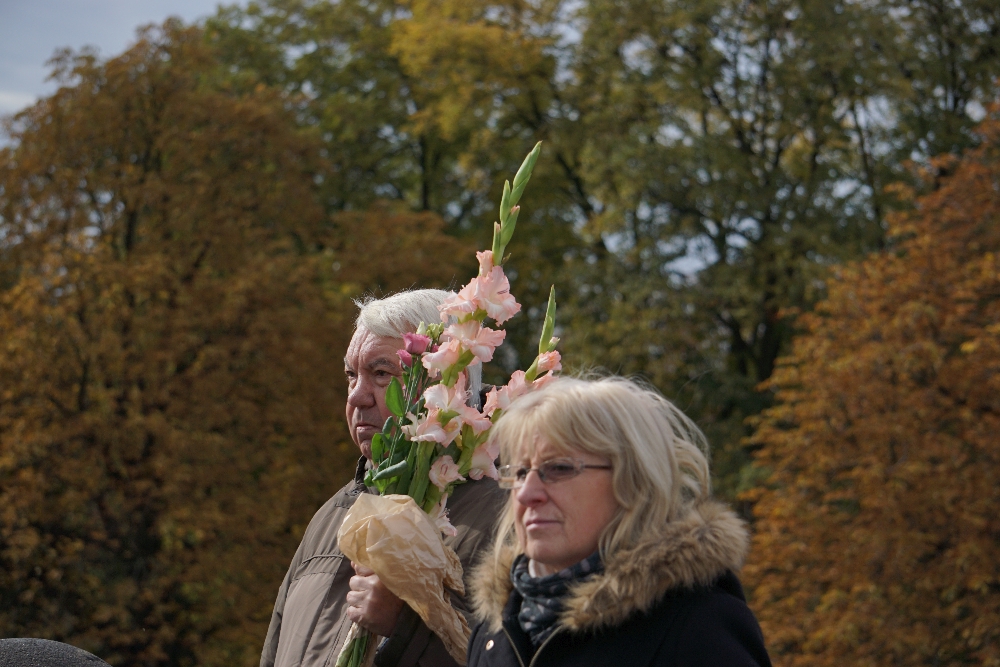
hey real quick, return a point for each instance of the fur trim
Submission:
(684, 554)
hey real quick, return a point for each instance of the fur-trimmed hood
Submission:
(691, 552)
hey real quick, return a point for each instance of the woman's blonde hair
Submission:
(658, 455)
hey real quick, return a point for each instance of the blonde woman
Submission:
(611, 550)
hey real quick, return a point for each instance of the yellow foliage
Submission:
(877, 530)
(172, 321)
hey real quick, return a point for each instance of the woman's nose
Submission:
(532, 491)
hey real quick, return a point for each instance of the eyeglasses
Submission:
(553, 470)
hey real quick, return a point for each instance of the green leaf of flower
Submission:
(378, 447)
(394, 398)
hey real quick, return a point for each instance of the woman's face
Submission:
(559, 523)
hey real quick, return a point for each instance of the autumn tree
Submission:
(733, 151)
(174, 307)
(877, 528)
(704, 162)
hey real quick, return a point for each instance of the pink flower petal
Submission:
(443, 472)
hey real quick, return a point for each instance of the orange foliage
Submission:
(878, 531)
(172, 324)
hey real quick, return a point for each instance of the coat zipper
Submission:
(513, 646)
(542, 647)
(537, 653)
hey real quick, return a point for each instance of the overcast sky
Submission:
(31, 30)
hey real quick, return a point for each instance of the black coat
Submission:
(673, 602)
(709, 625)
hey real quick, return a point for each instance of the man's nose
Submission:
(362, 394)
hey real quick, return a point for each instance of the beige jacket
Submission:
(309, 625)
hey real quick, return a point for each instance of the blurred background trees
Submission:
(182, 229)
(173, 323)
(877, 526)
(708, 160)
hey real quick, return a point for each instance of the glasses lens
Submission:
(508, 477)
(512, 477)
(558, 470)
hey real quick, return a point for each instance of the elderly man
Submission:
(322, 594)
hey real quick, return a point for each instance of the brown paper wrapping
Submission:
(396, 539)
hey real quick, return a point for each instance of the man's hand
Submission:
(370, 604)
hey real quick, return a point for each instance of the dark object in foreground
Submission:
(44, 653)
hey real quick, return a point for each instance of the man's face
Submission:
(370, 364)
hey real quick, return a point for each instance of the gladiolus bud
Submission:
(416, 343)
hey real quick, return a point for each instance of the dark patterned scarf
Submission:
(543, 596)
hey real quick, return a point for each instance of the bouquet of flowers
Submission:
(435, 440)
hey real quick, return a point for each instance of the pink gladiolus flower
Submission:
(517, 385)
(443, 472)
(446, 399)
(476, 338)
(484, 461)
(458, 305)
(549, 361)
(542, 381)
(490, 293)
(485, 262)
(440, 517)
(446, 355)
(416, 343)
(451, 427)
(450, 401)
(404, 358)
(493, 295)
(500, 399)
(430, 429)
(479, 422)
(493, 401)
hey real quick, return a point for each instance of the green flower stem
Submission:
(469, 444)
(523, 174)
(355, 651)
(505, 204)
(450, 375)
(391, 471)
(532, 372)
(432, 498)
(403, 483)
(503, 231)
(418, 486)
(545, 341)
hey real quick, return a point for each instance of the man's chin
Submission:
(366, 447)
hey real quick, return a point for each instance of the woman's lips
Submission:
(539, 523)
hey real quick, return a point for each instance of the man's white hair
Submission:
(402, 313)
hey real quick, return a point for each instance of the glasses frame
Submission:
(508, 474)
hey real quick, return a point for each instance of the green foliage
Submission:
(705, 161)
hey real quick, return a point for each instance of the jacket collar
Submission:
(688, 553)
(361, 470)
